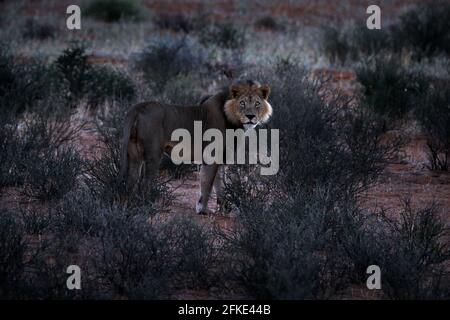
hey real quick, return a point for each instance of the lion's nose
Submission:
(250, 116)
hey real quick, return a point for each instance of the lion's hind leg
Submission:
(153, 152)
(135, 163)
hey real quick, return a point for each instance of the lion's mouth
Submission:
(249, 125)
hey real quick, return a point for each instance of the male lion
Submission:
(149, 125)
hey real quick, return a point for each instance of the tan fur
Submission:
(149, 125)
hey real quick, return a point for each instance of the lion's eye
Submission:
(257, 104)
(242, 103)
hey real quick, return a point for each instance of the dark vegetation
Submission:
(174, 22)
(411, 249)
(268, 23)
(423, 31)
(36, 29)
(341, 46)
(224, 35)
(390, 90)
(166, 59)
(74, 210)
(122, 253)
(39, 159)
(298, 235)
(434, 116)
(97, 84)
(390, 87)
(24, 85)
(394, 94)
(37, 151)
(308, 239)
(68, 80)
(114, 10)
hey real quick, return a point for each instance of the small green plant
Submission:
(74, 66)
(98, 84)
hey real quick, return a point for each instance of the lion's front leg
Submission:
(219, 188)
(207, 176)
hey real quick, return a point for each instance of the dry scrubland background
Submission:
(365, 125)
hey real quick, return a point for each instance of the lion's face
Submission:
(248, 106)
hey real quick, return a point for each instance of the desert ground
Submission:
(365, 187)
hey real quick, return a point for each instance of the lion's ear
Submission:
(234, 91)
(265, 91)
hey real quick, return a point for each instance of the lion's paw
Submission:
(200, 209)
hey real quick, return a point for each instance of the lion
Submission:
(149, 125)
